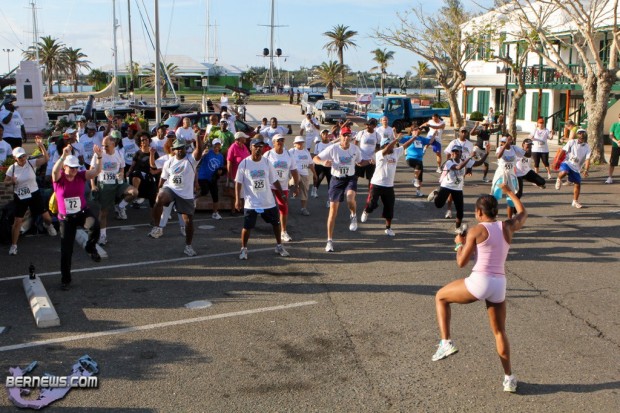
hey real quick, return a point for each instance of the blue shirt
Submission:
(211, 162)
(416, 149)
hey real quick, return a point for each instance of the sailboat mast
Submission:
(131, 79)
(115, 50)
(271, 81)
(35, 31)
(157, 67)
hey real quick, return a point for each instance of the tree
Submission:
(382, 57)
(171, 70)
(327, 74)
(340, 40)
(74, 61)
(558, 25)
(97, 78)
(440, 40)
(51, 57)
(420, 70)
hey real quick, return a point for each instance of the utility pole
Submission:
(115, 49)
(131, 79)
(157, 67)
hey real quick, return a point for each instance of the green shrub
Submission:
(440, 105)
(476, 116)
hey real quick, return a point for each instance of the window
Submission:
(483, 101)
(603, 51)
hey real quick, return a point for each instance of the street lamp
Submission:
(8, 57)
(383, 77)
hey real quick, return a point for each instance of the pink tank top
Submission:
(491, 254)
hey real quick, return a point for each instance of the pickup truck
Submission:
(400, 112)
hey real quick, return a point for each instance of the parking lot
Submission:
(352, 330)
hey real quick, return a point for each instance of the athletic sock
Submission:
(122, 204)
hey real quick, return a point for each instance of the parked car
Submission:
(327, 110)
(202, 118)
(308, 99)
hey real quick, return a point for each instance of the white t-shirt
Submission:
(386, 133)
(437, 132)
(180, 175)
(26, 178)
(541, 135)
(468, 147)
(111, 165)
(386, 167)
(303, 159)
(129, 150)
(89, 144)
(224, 100)
(523, 165)
(5, 150)
(452, 179)
(343, 160)
(509, 158)
(256, 179)
(283, 163)
(310, 131)
(576, 154)
(13, 129)
(161, 161)
(368, 142)
(270, 132)
(79, 150)
(188, 134)
(320, 146)
(158, 145)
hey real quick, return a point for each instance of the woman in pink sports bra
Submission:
(489, 241)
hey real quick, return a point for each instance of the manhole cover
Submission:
(198, 305)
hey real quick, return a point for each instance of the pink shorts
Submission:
(282, 206)
(487, 287)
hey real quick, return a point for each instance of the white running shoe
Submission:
(189, 251)
(558, 183)
(448, 214)
(416, 182)
(432, 196)
(461, 230)
(103, 240)
(121, 213)
(446, 349)
(314, 193)
(389, 232)
(510, 384)
(13, 250)
(182, 231)
(576, 204)
(327, 204)
(285, 237)
(280, 250)
(486, 180)
(419, 193)
(609, 180)
(549, 176)
(216, 215)
(244, 254)
(353, 225)
(364, 217)
(156, 232)
(51, 231)
(329, 247)
(438, 170)
(305, 212)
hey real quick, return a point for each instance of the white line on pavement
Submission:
(153, 326)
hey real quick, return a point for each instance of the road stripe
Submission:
(153, 326)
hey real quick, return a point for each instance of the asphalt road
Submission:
(352, 330)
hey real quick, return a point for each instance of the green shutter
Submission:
(544, 110)
(470, 102)
(534, 115)
(483, 101)
(521, 108)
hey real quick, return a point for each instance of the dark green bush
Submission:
(476, 116)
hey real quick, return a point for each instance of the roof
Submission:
(187, 66)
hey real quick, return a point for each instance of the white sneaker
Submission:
(461, 230)
(510, 384)
(419, 193)
(329, 247)
(448, 214)
(444, 350)
(364, 217)
(327, 204)
(353, 225)
(558, 183)
(432, 196)
(416, 182)
(576, 204)
(389, 232)
(314, 193)
(280, 250)
(103, 240)
(156, 232)
(51, 231)
(286, 237)
(182, 231)
(609, 180)
(216, 215)
(121, 213)
(486, 180)
(244, 254)
(189, 251)
(549, 176)
(305, 212)
(438, 170)
(13, 250)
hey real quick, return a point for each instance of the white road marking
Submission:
(153, 326)
(198, 304)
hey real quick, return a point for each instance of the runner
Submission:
(382, 182)
(210, 170)
(524, 171)
(577, 156)
(254, 176)
(436, 127)
(141, 173)
(385, 131)
(415, 156)
(310, 127)
(489, 241)
(303, 159)
(26, 195)
(321, 171)
(507, 157)
(342, 158)
(368, 141)
(540, 149)
(177, 185)
(283, 163)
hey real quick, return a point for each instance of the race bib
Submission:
(177, 180)
(485, 144)
(508, 166)
(73, 205)
(23, 192)
(304, 166)
(108, 178)
(343, 170)
(259, 185)
(280, 173)
(417, 144)
(573, 159)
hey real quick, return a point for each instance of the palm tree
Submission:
(97, 78)
(382, 57)
(421, 70)
(171, 70)
(328, 73)
(75, 62)
(340, 39)
(51, 56)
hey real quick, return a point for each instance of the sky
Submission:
(236, 39)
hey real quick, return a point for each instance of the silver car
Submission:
(328, 111)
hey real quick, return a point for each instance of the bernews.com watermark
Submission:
(82, 382)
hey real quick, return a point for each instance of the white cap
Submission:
(240, 135)
(299, 139)
(19, 151)
(72, 161)
(216, 141)
(276, 137)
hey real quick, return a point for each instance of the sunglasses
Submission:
(72, 167)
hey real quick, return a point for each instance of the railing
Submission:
(544, 75)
